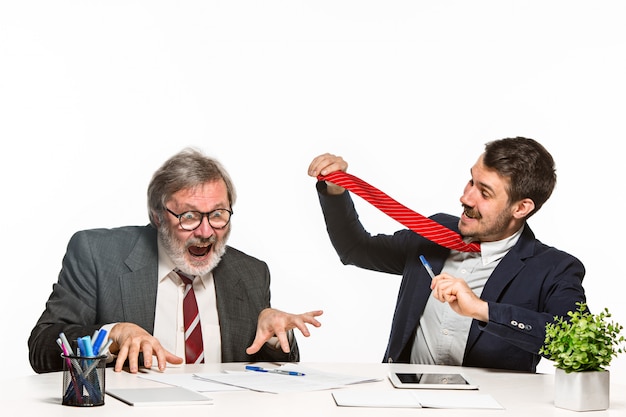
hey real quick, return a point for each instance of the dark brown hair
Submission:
(527, 164)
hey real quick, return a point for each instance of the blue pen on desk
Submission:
(273, 370)
(429, 269)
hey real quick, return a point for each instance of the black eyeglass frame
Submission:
(202, 216)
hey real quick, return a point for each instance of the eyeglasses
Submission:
(191, 220)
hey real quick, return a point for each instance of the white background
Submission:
(95, 95)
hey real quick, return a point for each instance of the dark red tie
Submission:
(424, 226)
(194, 350)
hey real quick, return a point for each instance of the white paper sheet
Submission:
(380, 399)
(188, 381)
(312, 380)
(414, 399)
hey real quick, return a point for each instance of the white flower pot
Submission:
(581, 391)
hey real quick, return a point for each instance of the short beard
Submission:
(178, 253)
(498, 226)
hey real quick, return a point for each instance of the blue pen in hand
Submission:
(273, 370)
(429, 269)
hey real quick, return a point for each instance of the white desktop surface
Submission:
(520, 394)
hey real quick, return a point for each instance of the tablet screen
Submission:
(430, 380)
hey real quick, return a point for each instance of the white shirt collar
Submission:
(493, 251)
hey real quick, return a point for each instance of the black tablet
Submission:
(430, 381)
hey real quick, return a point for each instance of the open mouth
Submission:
(470, 213)
(199, 251)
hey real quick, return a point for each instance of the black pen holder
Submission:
(83, 380)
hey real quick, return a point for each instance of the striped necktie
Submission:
(194, 350)
(423, 226)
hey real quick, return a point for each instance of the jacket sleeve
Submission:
(355, 245)
(242, 285)
(69, 309)
(553, 286)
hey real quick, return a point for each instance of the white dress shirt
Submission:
(442, 333)
(169, 326)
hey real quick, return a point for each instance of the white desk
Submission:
(520, 394)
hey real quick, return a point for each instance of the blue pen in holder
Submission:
(83, 380)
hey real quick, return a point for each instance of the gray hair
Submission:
(189, 168)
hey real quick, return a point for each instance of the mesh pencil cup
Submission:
(83, 380)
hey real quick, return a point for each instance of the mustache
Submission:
(471, 212)
(202, 241)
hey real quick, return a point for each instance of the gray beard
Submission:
(177, 252)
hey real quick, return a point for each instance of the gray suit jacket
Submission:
(110, 275)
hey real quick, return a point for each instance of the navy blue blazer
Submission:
(531, 284)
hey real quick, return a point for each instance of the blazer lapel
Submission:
(139, 284)
(228, 285)
(505, 272)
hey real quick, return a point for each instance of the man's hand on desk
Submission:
(129, 340)
(276, 323)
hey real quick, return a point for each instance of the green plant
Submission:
(585, 342)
